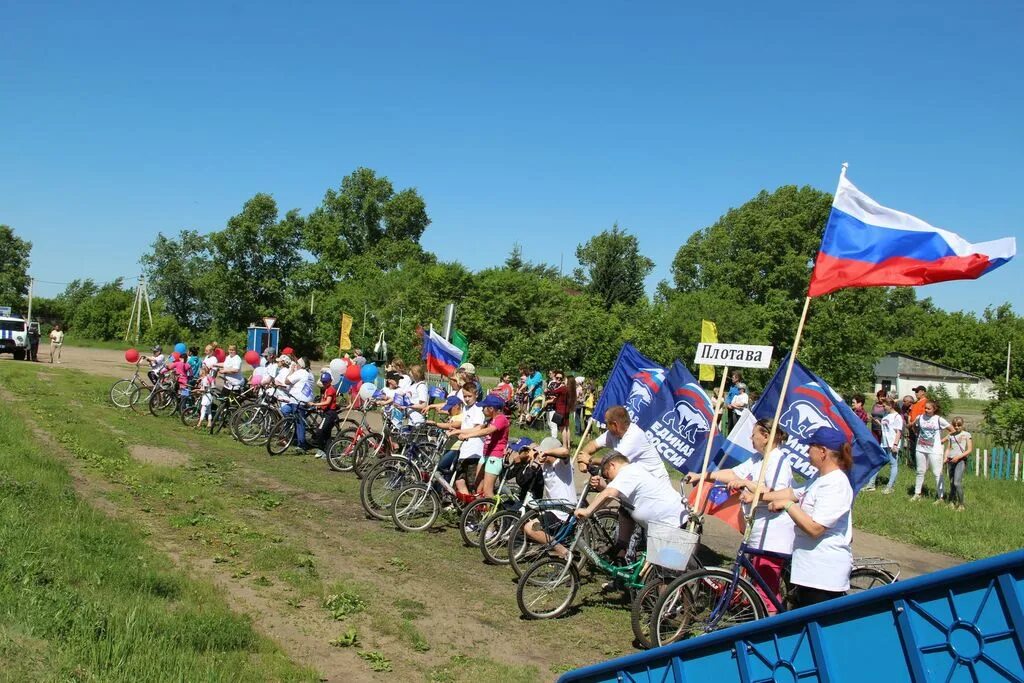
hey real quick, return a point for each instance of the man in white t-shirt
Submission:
(231, 370)
(553, 458)
(628, 439)
(740, 402)
(652, 498)
(300, 388)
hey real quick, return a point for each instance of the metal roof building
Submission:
(901, 372)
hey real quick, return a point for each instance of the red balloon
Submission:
(252, 358)
(220, 355)
(131, 355)
(176, 356)
(352, 373)
(288, 351)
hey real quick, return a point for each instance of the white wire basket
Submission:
(669, 546)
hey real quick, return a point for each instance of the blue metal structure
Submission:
(960, 624)
(259, 338)
(1001, 464)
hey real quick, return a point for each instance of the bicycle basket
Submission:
(669, 546)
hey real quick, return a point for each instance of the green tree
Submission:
(177, 269)
(365, 210)
(612, 267)
(14, 262)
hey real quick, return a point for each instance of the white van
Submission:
(13, 336)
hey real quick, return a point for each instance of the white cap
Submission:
(549, 443)
(468, 367)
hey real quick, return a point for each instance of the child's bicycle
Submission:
(132, 392)
(713, 598)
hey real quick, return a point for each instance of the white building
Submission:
(901, 373)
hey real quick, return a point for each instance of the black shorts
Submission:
(558, 419)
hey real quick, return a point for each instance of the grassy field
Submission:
(85, 599)
(283, 540)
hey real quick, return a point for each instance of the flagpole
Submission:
(711, 436)
(579, 446)
(782, 395)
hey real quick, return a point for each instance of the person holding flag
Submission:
(771, 534)
(822, 553)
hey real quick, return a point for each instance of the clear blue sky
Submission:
(541, 123)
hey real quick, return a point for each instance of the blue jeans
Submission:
(448, 464)
(894, 467)
(300, 423)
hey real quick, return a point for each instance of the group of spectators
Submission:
(932, 444)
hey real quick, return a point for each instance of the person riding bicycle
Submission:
(472, 449)
(329, 405)
(553, 459)
(822, 553)
(770, 531)
(300, 391)
(453, 408)
(156, 364)
(652, 498)
(231, 370)
(496, 439)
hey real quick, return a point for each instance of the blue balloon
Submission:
(181, 348)
(345, 384)
(369, 372)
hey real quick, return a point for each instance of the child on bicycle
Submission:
(207, 382)
(495, 433)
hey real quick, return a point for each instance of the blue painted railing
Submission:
(960, 624)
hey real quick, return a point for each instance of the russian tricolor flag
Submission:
(441, 355)
(868, 245)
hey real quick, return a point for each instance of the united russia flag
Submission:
(868, 245)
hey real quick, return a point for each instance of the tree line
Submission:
(359, 252)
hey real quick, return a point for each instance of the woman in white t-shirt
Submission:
(770, 531)
(930, 448)
(822, 554)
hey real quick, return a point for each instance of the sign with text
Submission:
(734, 355)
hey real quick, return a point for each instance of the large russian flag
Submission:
(868, 245)
(441, 355)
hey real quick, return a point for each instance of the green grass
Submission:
(991, 525)
(84, 598)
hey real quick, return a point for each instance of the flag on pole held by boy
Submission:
(678, 420)
(810, 404)
(708, 335)
(634, 382)
(869, 245)
(442, 357)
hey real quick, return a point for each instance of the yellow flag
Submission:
(346, 329)
(708, 335)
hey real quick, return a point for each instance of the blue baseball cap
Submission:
(325, 377)
(830, 438)
(451, 403)
(520, 443)
(492, 401)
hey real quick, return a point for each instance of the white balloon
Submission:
(367, 390)
(337, 366)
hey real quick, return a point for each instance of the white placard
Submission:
(269, 322)
(734, 355)
(5, 310)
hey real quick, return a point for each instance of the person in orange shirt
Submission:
(916, 411)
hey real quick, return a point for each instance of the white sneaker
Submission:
(869, 487)
(916, 496)
(887, 491)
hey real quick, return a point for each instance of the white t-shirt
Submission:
(825, 562)
(472, 418)
(281, 381)
(404, 383)
(929, 435)
(559, 484)
(210, 361)
(653, 498)
(740, 401)
(157, 362)
(57, 337)
(634, 445)
(233, 372)
(771, 531)
(892, 424)
(418, 394)
(301, 382)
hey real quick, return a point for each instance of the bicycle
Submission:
(393, 473)
(251, 423)
(127, 393)
(341, 451)
(284, 431)
(708, 599)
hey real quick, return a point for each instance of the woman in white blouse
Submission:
(822, 556)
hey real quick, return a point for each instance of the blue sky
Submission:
(537, 123)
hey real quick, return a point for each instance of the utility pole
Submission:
(31, 286)
(1008, 346)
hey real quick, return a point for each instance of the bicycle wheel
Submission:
(473, 517)
(524, 551)
(281, 436)
(163, 402)
(189, 411)
(381, 484)
(368, 451)
(642, 610)
(249, 424)
(694, 604)
(140, 398)
(546, 590)
(866, 578)
(223, 417)
(121, 393)
(415, 508)
(494, 535)
(341, 452)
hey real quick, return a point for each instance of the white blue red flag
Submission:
(868, 245)
(442, 357)
(678, 421)
(810, 404)
(634, 382)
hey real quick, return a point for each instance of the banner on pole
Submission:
(708, 335)
(634, 381)
(734, 355)
(345, 342)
